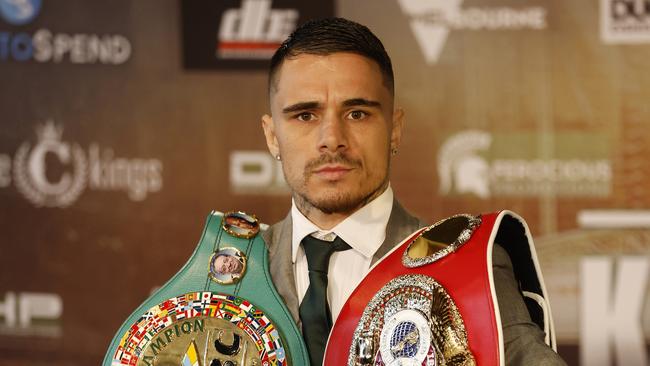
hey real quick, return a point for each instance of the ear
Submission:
(269, 133)
(396, 132)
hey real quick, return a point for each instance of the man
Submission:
(228, 264)
(334, 126)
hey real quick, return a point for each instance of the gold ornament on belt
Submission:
(412, 320)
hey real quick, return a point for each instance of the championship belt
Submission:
(432, 300)
(220, 309)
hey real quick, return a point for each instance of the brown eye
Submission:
(357, 114)
(305, 117)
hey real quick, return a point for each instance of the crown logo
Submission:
(49, 131)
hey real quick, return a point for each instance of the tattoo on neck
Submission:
(303, 206)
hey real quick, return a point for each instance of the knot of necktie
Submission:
(318, 252)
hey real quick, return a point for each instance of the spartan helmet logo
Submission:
(459, 163)
(30, 172)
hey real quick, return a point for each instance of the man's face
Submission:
(227, 264)
(333, 125)
(239, 222)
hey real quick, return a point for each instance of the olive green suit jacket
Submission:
(523, 339)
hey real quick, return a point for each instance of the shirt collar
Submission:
(373, 217)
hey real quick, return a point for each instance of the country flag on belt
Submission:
(261, 351)
(138, 334)
(191, 357)
(189, 313)
(134, 328)
(181, 306)
(167, 305)
(163, 313)
(281, 355)
(272, 358)
(274, 335)
(276, 344)
(253, 323)
(266, 328)
(246, 306)
(231, 308)
(210, 310)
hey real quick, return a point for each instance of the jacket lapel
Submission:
(400, 225)
(278, 241)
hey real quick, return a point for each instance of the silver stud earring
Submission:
(278, 158)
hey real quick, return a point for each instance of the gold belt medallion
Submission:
(411, 321)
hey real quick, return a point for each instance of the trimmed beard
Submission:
(339, 201)
(343, 202)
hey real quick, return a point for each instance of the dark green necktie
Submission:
(314, 309)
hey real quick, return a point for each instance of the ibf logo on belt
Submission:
(625, 21)
(241, 34)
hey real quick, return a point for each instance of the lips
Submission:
(332, 172)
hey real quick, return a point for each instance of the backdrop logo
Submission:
(459, 163)
(432, 20)
(31, 174)
(242, 34)
(469, 162)
(625, 21)
(19, 12)
(31, 314)
(256, 172)
(54, 173)
(254, 30)
(45, 45)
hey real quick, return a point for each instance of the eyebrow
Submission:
(361, 102)
(300, 107)
(355, 102)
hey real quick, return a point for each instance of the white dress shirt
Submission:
(364, 231)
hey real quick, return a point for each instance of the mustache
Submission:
(327, 158)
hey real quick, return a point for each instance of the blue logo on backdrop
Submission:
(19, 12)
(45, 45)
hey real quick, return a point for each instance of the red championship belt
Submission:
(432, 301)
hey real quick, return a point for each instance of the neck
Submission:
(328, 220)
(325, 221)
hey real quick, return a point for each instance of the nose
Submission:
(333, 134)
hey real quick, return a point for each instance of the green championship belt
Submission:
(220, 309)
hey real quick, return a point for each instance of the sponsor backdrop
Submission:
(124, 123)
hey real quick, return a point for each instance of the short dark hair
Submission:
(331, 35)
